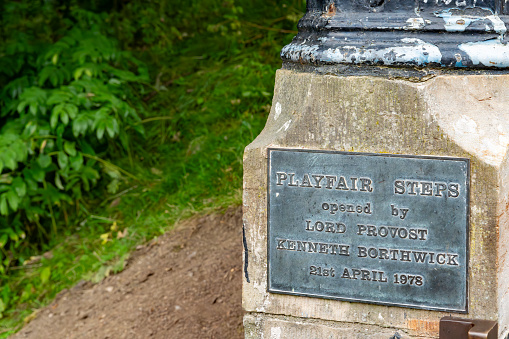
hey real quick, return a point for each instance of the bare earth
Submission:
(187, 284)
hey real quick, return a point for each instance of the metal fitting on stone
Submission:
(454, 34)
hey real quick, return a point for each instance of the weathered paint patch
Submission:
(503, 135)
(351, 36)
(476, 139)
(275, 333)
(278, 110)
(457, 20)
(300, 52)
(498, 24)
(415, 51)
(492, 53)
(458, 60)
(415, 23)
(285, 126)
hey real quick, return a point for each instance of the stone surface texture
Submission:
(451, 115)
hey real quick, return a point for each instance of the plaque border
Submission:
(364, 301)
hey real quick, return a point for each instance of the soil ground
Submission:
(185, 284)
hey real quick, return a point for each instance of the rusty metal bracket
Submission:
(459, 328)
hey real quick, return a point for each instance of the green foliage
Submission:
(77, 100)
(63, 104)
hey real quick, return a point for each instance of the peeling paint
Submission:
(491, 53)
(457, 20)
(275, 333)
(390, 33)
(285, 126)
(489, 146)
(466, 125)
(278, 111)
(458, 60)
(266, 297)
(503, 137)
(415, 23)
(261, 288)
(300, 52)
(414, 51)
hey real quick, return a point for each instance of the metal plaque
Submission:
(375, 228)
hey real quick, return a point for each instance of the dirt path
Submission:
(187, 284)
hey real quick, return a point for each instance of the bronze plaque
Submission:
(376, 228)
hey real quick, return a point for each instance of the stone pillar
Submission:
(422, 82)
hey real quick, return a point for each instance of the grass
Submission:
(213, 75)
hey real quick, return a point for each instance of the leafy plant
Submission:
(66, 85)
(67, 104)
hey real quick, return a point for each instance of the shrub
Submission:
(66, 105)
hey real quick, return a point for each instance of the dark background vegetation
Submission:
(118, 118)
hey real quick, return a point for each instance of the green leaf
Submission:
(45, 73)
(45, 275)
(78, 72)
(58, 182)
(72, 110)
(62, 159)
(12, 235)
(44, 160)
(3, 240)
(69, 148)
(80, 125)
(53, 78)
(54, 117)
(38, 174)
(60, 133)
(113, 186)
(9, 159)
(30, 128)
(1, 166)
(21, 106)
(3, 204)
(13, 200)
(60, 96)
(19, 186)
(100, 132)
(33, 108)
(111, 127)
(20, 150)
(64, 117)
(76, 162)
(31, 183)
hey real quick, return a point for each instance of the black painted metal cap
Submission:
(424, 33)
